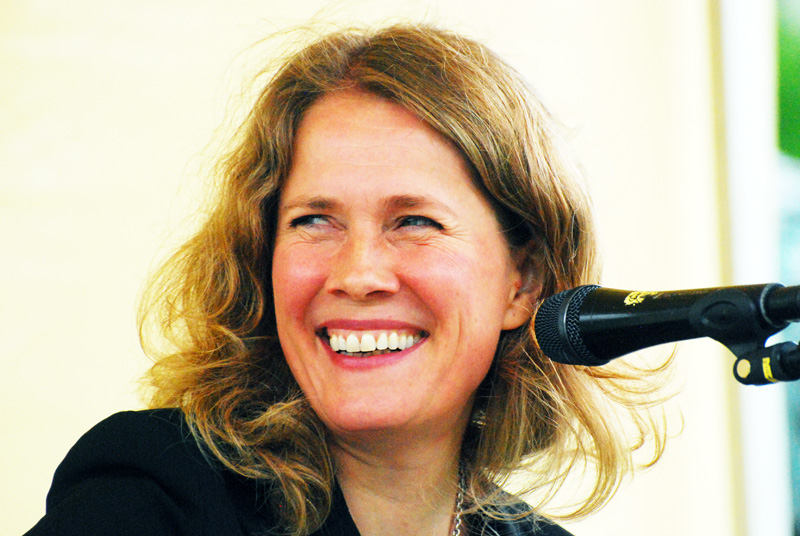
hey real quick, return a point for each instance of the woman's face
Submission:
(385, 247)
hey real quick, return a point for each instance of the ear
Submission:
(524, 292)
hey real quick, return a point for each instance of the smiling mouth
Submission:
(367, 344)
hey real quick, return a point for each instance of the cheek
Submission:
(467, 295)
(478, 279)
(296, 279)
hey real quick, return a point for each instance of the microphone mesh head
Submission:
(568, 348)
(545, 326)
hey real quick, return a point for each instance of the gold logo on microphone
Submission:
(635, 298)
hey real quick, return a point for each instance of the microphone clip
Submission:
(745, 333)
(777, 363)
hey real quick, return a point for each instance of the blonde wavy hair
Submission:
(212, 300)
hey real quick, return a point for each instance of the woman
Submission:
(351, 343)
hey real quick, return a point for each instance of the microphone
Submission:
(591, 325)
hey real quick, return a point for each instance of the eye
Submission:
(418, 221)
(309, 220)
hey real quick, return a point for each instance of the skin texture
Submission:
(381, 228)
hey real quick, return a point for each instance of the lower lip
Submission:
(374, 361)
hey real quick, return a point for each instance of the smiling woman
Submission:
(394, 249)
(351, 342)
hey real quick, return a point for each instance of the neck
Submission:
(399, 485)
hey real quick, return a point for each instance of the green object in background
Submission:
(789, 77)
(789, 143)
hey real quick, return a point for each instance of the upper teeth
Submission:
(369, 342)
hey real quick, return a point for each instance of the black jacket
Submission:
(141, 473)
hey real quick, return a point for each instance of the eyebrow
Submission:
(413, 201)
(315, 202)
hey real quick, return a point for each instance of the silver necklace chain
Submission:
(459, 509)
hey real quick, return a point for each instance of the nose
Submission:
(363, 269)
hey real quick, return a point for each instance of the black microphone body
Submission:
(590, 325)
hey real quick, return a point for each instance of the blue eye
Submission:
(418, 221)
(308, 220)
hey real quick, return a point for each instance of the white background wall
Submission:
(754, 205)
(106, 111)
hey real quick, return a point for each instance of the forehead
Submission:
(357, 134)
(339, 106)
(366, 129)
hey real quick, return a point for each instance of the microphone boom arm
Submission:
(756, 364)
